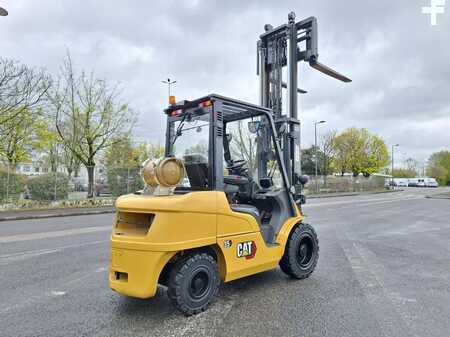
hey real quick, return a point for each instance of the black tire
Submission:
(194, 283)
(301, 253)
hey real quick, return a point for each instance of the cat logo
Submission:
(246, 249)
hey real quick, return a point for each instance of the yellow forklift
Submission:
(225, 201)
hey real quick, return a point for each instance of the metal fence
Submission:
(57, 190)
(338, 184)
(16, 191)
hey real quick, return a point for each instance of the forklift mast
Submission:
(278, 48)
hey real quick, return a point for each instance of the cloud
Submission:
(398, 62)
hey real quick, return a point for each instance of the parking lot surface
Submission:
(384, 270)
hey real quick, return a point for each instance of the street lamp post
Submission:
(169, 83)
(424, 168)
(315, 152)
(392, 163)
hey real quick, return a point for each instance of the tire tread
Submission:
(179, 272)
(288, 261)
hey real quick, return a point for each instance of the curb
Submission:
(111, 210)
(349, 194)
(56, 215)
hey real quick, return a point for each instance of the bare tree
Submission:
(89, 116)
(327, 147)
(21, 89)
(243, 146)
(412, 165)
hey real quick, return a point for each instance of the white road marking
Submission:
(206, 322)
(5, 259)
(8, 258)
(368, 272)
(54, 234)
(361, 201)
(58, 293)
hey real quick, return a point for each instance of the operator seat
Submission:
(248, 209)
(197, 171)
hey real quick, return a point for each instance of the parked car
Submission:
(422, 182)
(101, 188)
(401, 182)
(79, 184)
(388, 182)
(413, 182)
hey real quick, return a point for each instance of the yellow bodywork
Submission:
(151, 230)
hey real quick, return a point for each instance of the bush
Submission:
(117, 180)
(15, 186)
(43, 187)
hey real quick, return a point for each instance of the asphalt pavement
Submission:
(383, 271)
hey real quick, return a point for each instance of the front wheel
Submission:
(301, 253)
(194, 283)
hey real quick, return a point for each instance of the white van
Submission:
(413, 182)
(422, 182)
(430, 182)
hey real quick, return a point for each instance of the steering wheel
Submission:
(237, 164)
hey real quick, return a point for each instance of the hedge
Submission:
(15, 186)
(43, 187)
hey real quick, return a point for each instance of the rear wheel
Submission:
(301, 253)
(194, 283)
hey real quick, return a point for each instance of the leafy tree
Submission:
(16, 143)
(342, 152)
(46, 142)
(357, 151)
(122, 153)
(89, 116)
(309, 163)
(439, 167)
(123, 162)
(152, 151)
(198, 148)
(404, 173)
(376, 154)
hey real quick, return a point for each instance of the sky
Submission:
(398, 61)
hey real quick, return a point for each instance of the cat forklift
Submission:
(225, 201)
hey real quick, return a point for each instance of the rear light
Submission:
(176, 112)
(205, 104)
